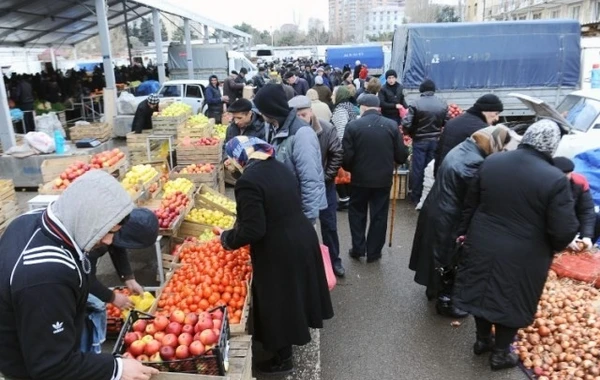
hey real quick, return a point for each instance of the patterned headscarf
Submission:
(492, 139)
(543, 136)
(242, 149)
(153, 99)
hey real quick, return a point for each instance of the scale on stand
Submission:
(87, 143)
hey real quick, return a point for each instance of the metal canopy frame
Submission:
(55, 23)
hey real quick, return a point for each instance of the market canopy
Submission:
(68, 22)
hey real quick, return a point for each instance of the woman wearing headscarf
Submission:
(214, 100)
(433, 257)
(343, 113)
(519, 212)
(289, 286)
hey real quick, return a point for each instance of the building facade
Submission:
(384, 19)
(348, 18)
(584, 11)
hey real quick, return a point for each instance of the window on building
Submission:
(522, 17)
(555, 13)
(475, 10)
(574, 12)
(537, 16)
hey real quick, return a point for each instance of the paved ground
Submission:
(383, 329)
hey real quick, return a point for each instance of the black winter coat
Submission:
(143, 117)
(289, 286)
(439, 219)
(584, 205)
(522, 212)
(372, 146)
(331, 149)
(455, 132)
(389, 96)
(426, 117)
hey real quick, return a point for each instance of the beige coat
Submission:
(321, 110)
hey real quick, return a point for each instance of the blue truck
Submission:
(371, 55)
(540, 59)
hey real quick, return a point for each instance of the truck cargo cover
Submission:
(203, 56)
(372, 56)
(491, 55)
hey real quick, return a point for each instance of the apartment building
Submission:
(348, 18)
(585, 11)
(383, 19)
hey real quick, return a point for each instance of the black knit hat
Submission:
(564, 164)
(489, 103)
(427, 86)
(272, 101)
(240, 105)
(391, 73)
(288, 75)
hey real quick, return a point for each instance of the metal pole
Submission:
(206, 36)
(127, 32)
(160, 64)
(109, 74)
(53, 58)
(7, 134)
(188, 48)
(219, 36)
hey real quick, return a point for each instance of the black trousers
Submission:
(375, 202)
(504, 335)
(343, 191)
(28, 118)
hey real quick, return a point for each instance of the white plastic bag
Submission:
(40, 141)
(126, 104)
(49, 123)
(428, 181)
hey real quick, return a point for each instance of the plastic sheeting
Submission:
(209, 56)
(148, 87)
(491, 55)
(588, 164)
(372, 56)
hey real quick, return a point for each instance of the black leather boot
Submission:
(444, 307)
(483, 345)
(503, 359)
(276, 366)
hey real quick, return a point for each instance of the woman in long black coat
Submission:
(519, 213)
(289, 286)
(433, 250)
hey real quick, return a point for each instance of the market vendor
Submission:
(589, 220)
(138, 232)
(143, 115)
(245, 121)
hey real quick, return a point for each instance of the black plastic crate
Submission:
(209, 363)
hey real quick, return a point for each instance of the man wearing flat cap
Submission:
(484, 113)
(331, 159)
(373, 145)
(244, 121)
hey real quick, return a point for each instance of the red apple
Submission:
(170, 340)
(159, 335)
(191, 319)
(152, 347)
(217, 314)
(167, 352)
(140, 325)
(130, 337)
(156, 358)
(185, 339)
(139, 334)
(177, 316)
(203, 324)
(174, 328)
(208, 337)
(161, 322)
(137, 348)
(182, 352)
(197, 337)
(147, 338)
(150, 329)
(127, 355)
(188, 329)
(217, 333)
(142, 358)
(217, 324)
(196, 348)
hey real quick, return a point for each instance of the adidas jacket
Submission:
(43, 293)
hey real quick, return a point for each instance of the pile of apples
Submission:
(170, 208)
(220, 131)
(454, 111)
(210, 217)
(182, 185)
(107, 159)
(197, 122)
(181, 336)
(197, 169)
(136, 175)
(204, 141)
(74, 171)
(176, 109)
(222, 201)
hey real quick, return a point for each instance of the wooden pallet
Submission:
(98, 131)
(7, 190)
(192, 154)
(9, 210)
(197, 178)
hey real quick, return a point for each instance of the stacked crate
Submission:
(9, 207)
(137, 147)
(99, 131)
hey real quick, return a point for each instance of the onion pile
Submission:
(564, 340)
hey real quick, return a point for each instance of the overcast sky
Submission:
(262, 14)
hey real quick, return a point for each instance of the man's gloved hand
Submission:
(573, 246)
(135, 287)
(588, 243)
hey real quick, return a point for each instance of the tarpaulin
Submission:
(148, 87)
(588, 164)
(372, 56)
(491, 55)
(203, 56)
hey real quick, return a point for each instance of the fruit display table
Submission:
(26, 172)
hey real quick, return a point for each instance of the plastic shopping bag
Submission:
(331, 280)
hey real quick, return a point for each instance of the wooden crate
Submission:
(401, 182)
(195, 133)
(198, 179)
(98, 131)
(242, 327)
(240, 363)
(166, 129)
(191, 229)
(221, 179)
(169, 261)
(52, 168)
(192, 154)
(202, 201)
(7, 190)
(162, 122)
(47, 189)
(154, 204)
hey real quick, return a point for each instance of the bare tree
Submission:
(421, 10)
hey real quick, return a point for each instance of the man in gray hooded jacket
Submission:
(44, 284)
